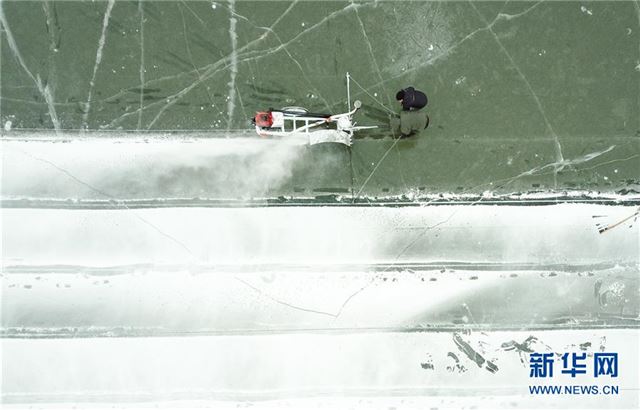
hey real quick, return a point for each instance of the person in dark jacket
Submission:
(412, 118)
(411, 99)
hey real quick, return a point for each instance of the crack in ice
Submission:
(188, 48)
(244, 111)
(281, 302)
(211, 70)
(183, 73)
(101, 42)
(329, 17)
(555, 166)
(42, 88)
(233, 70)
(141, 12)
(385, 90)
(373, 57)
(53, 29)
(107, 195)
(637, 7)
(452, 48)
(376, 168)
(610, 162)
(286, 50)
(508, 17)
(214, 68)
(20, 100)
(557, 146)
(184, 3)
(353, 295)
(398, 256)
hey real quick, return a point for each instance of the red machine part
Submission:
(264, 119)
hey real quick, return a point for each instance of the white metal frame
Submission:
(344, 122)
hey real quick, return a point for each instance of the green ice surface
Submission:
(522, 95)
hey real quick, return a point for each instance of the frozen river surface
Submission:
(156, 253)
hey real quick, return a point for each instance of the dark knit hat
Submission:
(400, 95)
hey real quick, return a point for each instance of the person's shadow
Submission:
(383, 120)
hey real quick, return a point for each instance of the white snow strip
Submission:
(121, 300)
(321, 371)
(552, 234)
(248, 167)
(195, 166)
